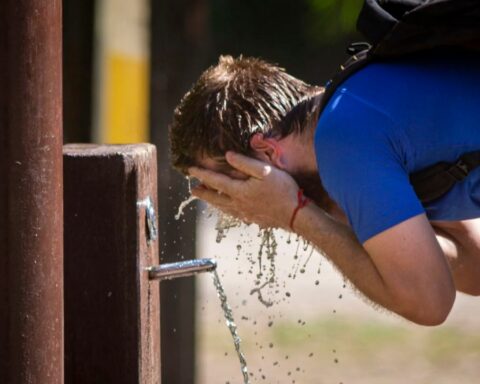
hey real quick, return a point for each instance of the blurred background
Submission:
(126, 65)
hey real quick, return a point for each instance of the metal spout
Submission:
(171, 271)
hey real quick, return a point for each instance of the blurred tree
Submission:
(258, 28)
(331, 19)
(308, 37)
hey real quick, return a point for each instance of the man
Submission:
(253, 136)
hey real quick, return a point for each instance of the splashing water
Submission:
(266, 283)
(232, 326)
(268, 250)
(183, 205)
(186, 202)
(258, 291)
(224, 223)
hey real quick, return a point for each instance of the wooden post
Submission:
(112, 329)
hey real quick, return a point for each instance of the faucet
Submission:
(169, 271)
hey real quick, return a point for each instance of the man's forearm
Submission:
(341, 246)
(460, 242)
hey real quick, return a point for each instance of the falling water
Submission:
(268, 249)
(183, 205)
(224, 223)
(230, 321)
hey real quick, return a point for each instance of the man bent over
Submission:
(254, 137)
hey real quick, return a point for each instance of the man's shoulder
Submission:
(413, 76)
(351, 118)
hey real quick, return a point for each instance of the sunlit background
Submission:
(126, 65)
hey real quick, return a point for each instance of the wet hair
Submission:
(301, 117)
(229, 103)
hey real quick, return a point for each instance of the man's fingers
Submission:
(211, 196)
(217, 181)
(248, 165)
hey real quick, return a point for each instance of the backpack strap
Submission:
(435, 181)
(360, 57)
(378, 18)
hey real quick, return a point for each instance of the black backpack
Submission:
(398, 28)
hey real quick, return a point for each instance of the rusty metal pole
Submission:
(31, 203)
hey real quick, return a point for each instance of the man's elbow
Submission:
(429, 310)
(432, 318)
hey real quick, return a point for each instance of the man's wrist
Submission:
(313, 222)
(302, 202)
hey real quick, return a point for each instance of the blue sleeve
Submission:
(360, 163)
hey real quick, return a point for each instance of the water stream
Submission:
(183, 205)
(232, 326)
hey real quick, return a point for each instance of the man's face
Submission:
(309, 181)
(220, 165)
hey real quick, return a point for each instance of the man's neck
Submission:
(300, 152)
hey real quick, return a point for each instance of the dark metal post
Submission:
(78, 40)
(31, 208)
(179, 38)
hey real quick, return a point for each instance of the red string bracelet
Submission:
(302, 201)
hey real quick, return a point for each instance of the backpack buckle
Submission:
(357, 47)
(459, 170)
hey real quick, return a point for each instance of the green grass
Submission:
(358, 338)
(364, 338)
(334, 331)
(346, 350)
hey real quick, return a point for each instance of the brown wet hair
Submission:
(233, 100)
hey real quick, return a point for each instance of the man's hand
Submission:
(266, 197)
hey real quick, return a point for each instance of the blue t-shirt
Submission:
(389, 120)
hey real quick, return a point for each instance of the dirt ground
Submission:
(319, 330)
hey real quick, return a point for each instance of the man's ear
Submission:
(267, 149)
